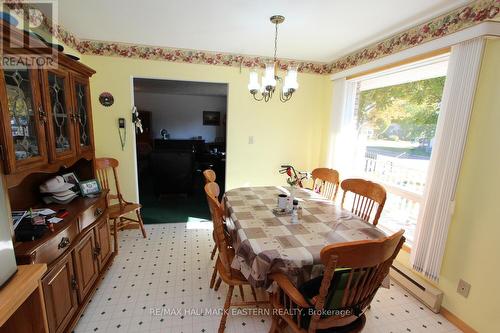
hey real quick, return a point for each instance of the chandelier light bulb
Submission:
(270, 76)
(291, 79)
(253, 83)
(263, 85)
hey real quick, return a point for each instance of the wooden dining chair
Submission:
(366, 195)
(209, 175)
(118, 213)
(212, 189)
(225, 257)
(338, 299)
(326, 182)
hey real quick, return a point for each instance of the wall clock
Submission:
(106, 99)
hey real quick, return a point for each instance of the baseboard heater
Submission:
(418, 287)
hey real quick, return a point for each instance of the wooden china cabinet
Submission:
(49, 119)
(60, 120)
(58, 288)
(23, 125)
(46, 130)
(80, 89)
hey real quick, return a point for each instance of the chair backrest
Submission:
(209, 175)
(219, 233)
(366, 194)
(326, 182)
(107, 167)
(367, 262)
(212, 189)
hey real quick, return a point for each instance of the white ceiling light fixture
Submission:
(268, 84)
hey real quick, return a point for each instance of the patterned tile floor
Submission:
(160, 284)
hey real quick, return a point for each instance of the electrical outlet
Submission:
(250, 140)
(463, 288)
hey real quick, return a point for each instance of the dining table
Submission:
(266, 241)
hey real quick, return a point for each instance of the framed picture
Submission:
(90, 188)
(71, 178)
(211, 118)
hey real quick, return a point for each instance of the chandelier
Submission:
(264, 91)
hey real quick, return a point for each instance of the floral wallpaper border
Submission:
(454, 21)
(193, 56)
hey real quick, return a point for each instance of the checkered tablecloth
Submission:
(265, 243)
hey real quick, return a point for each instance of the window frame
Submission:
(402, 66)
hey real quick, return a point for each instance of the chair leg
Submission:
(115, 235)
(242, 294)
(275, 325)
(217, 284)
(214, 276)
(254, 294)
(213, 252)
(227, 304)
(282, 324)
(120, 223)
(141, 223)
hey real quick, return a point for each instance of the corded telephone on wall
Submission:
(122, 131)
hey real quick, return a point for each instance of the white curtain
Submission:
(341, 154)
(451, 134)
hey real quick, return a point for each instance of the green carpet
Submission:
(172, 208)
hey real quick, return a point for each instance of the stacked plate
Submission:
(57, 190)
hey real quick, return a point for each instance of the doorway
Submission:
(184, 133)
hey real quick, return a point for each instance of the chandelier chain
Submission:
(275, 41)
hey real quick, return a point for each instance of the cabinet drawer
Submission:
(92, 213)
(52, 249)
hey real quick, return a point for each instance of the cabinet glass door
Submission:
(26, 117)
(60, 117)
(82, 110)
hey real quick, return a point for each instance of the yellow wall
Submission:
(473, 245)
(473, 238)
(326, 120)
(283, 133)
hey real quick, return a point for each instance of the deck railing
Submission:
(405, 185)
(396, 172)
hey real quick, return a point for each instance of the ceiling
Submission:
(317, 30)
(173, 87)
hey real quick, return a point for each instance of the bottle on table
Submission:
(295, 211)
